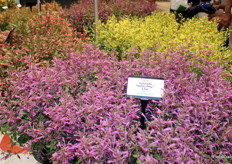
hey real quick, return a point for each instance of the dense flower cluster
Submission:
(78, 109)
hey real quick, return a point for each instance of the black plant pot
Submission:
(41, 156)
(28, 2)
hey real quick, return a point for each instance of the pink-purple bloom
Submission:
(79, 110)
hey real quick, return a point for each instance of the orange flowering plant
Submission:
(2, 4)
(11, 4)
(5, 4)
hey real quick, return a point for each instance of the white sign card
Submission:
(145, 87)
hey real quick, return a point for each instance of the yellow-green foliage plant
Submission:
(200, 34)
(137, 32)
(163, 30)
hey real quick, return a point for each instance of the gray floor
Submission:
(163, 5)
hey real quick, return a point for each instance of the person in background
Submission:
(219, 10)
(223, 15)
(179, 7)
(217, 2)
(190, 8)
(205, 6)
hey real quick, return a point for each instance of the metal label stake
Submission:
(143, 112)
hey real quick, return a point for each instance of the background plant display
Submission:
(81, 14)
(7, 4)
(41, 37)
(2, 4)
(76, 110)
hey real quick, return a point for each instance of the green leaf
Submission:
(135, 155)
(207, 156)
(23, 139)
(66, 88)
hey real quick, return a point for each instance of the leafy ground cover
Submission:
(66, 100)
(77, 109)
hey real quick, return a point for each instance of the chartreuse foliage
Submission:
(163, 30)
(137, 32)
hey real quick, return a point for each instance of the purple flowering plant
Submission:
(77, 111)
